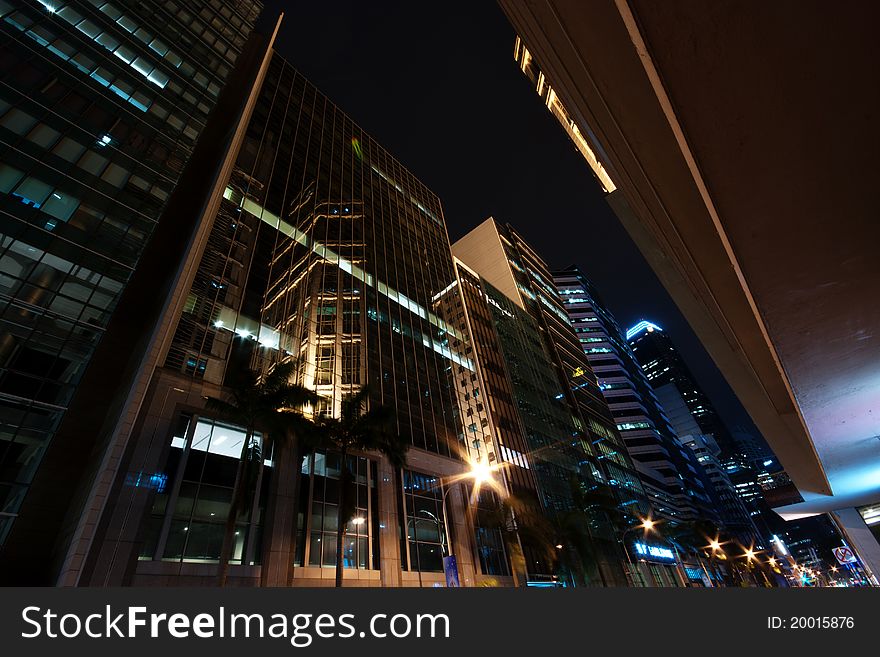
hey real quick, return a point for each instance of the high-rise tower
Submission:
(103, 110)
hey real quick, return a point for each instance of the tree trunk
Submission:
(598, 561)
(341, 521)
(232, 516)
(298, 455)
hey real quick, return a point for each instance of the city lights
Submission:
(243, 345)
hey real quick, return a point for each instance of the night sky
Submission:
(436, 84)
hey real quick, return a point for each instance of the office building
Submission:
(664, 366)
(104, 109)
(668, 469)
(519, 287)
(326, 252)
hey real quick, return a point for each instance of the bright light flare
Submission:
(481, 473)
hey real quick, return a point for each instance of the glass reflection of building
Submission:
(361, 250)
(327, 252)
(101, 107)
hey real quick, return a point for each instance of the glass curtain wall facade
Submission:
(658, 358)
(533, 331)
(101, 105)
(324, 251)
(359, 259)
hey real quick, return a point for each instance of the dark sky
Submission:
(436, 84)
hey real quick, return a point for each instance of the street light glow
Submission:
(481, 472)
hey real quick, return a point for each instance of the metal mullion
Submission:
(172, 499)
(307, 529)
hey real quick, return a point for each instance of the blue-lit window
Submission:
(32, 192)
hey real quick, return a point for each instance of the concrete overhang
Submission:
(742, 139)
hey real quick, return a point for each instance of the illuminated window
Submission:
(318, 518)
(204, 457)
(424, 544)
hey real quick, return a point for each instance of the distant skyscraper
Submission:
(663, 366)
(102, 108)
(669, 470)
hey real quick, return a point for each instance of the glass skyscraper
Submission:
(564, 414)
(663, 366)
(102, 105)
(326, 252)
(667, 467)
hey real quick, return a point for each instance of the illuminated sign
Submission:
(578, 372)
(654, 552)
(157, 481)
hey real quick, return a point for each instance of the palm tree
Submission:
(271, 403)
(362, 429)
(561, 540)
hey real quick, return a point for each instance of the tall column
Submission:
(461, 543)
(861, 540)
(389, 523)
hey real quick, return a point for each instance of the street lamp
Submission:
(752, 559)
(647, 525)
(715, 546)
(481, 473)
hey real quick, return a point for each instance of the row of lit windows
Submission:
(116, 84)
(111, 43)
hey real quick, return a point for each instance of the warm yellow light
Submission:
(750, 554)
(648, 524)
(559, 546)
(481, 472)
(715, 545)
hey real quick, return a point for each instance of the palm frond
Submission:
(279, 376)
(354, 404)
(228, 410)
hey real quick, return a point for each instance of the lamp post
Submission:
(751, 559)
(647, 525)
(480, 473)
(715, 546)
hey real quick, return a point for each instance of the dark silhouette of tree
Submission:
(560, 540)
(361, 428)
(604, 519)
(267, 402)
